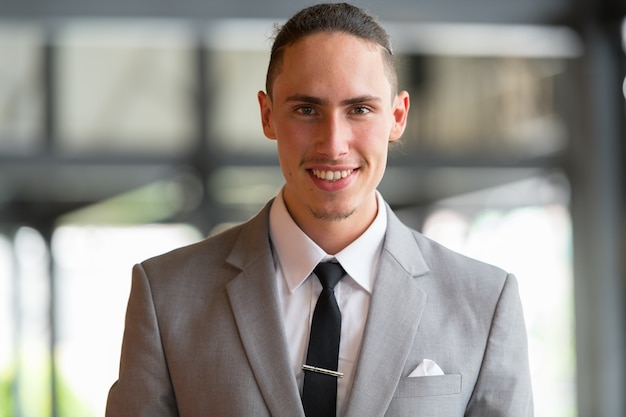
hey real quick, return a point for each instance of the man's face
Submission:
(332, 115)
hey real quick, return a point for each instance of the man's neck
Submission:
(334, 235)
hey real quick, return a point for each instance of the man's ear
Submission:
(265, 104)
(400, 114)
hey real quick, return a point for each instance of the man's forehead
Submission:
(321, 53)
(318, 58)
(336, 39)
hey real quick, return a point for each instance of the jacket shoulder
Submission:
(205, 251)
(459, 269)
(215, 251)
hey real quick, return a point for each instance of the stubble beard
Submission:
(331, 216)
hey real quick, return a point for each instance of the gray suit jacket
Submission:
(204, 335)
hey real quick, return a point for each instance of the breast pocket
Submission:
(426, 386)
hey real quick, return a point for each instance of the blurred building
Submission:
(131, 128)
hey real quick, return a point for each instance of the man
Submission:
(221, 328)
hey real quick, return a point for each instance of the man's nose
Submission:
(334, 136)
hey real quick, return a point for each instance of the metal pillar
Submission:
(598, 215)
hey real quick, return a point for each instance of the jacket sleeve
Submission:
(144, 387)
(503, 388)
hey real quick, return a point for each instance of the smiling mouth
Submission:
(331, 176)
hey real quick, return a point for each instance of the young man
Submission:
(225, 327)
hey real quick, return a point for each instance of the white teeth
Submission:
(332, 175)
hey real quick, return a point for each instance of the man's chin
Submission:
(334, 215)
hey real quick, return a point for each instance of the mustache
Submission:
(339, 162)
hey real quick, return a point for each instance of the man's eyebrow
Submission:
(360, 100)
(303, 98)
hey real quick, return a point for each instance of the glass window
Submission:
(234, 116)
(93, 267)
(21, 92)
(7, 327)
(31, 334)
(125, 87)
(486, 89)
(238, 55)
(243, 191)
(501, 106)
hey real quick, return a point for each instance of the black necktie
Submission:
(319, 394)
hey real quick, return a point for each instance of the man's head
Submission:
(330, 17)
(333, 109)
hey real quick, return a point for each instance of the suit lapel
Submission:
(254, 299)
(395, 311)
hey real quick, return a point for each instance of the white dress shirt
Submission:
(295, 257)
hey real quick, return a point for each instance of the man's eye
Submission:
(361, 110)
(306, 110)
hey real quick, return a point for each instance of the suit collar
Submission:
(253, 241)
(400, 244)
(298, 255)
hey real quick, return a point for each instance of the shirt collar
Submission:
(297, 255)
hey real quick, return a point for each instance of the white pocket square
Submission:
(426, 368)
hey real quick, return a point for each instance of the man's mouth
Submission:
(331, 176)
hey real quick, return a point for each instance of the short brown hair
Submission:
(330, 17)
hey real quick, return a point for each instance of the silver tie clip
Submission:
(322, 371)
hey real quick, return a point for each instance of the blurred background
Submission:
(128, 128)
